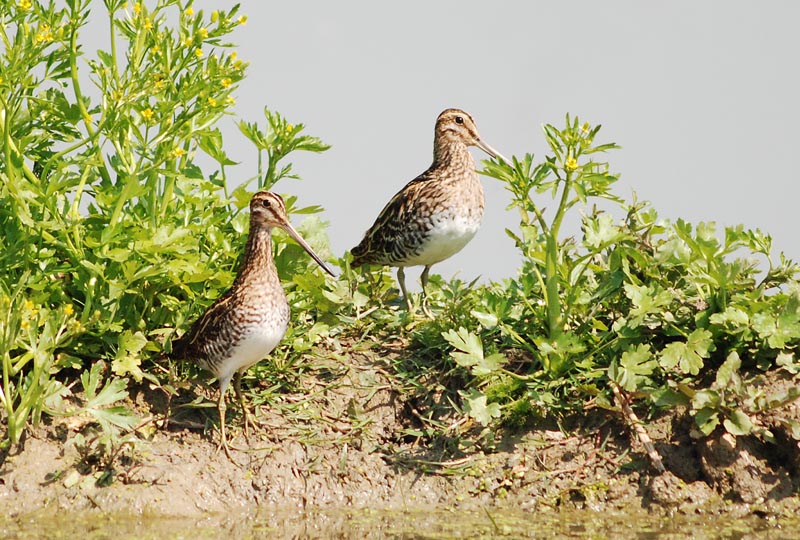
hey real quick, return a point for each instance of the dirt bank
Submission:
(349, 437)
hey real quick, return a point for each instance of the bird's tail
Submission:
(178, 349)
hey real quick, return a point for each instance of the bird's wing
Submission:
(393, 225)
(204, 325)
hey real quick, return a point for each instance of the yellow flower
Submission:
(226, 82)
(571, 164)
(147, 114)
(25, 325)
(155, 49)
(148, 24)
(28, 305)
(45, 34)
(188, 41)
(69, 310)
(188, 12)
(137, 7)
(198, 53)
(585, 128)
(289, 127)
(24, 5)
(178, 152)
(233, 56)
(203, 33)
(229, 100)
(212, 102)
(159, 84)
(243, 20)
(214, 16)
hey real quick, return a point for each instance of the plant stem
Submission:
(73, 69)
(552, 256)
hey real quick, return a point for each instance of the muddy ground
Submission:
(347, 437)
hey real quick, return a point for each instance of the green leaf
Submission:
(470, 352)
(114, 390)
(732, 318)
(127, 359)
(707, 420)
(635, 367)
(689, 355)
(738, 423)
(706, 399)
(558, 354)
(600, 231)
(117, 416)
(728, 372)
(783, 398)
(478, 409)
(666, 397)
(487, 320)
(256, 136)
(210, 142)
(647, 299)
(91, 379)
(787, 362)
(794, 429)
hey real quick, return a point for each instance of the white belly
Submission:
(253, 348)
(445, 239)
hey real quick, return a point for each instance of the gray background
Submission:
(702, 96)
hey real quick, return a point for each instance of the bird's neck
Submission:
(257, 263)
(452, 155)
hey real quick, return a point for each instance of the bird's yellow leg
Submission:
(248, 417)
(401, 279)
(223, 441)
(424, 279)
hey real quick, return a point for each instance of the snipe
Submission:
(435, 215)
(248, 321)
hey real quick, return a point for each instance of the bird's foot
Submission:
(426, 309)
(409, 303)
(249, 422)
(223, 444)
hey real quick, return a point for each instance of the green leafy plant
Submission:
(555, 269)
(638, 302)
(102, 407)
(278, 140)
(30, 334)
(110, 228)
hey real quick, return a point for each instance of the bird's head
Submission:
(457, 126)
(268, 210)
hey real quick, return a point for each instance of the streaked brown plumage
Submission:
(435, 215)
(248, 321)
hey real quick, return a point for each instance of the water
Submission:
(365, 524)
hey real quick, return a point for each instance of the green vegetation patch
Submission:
(116, 233)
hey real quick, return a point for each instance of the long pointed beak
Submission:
(299, 239)
(491, 151)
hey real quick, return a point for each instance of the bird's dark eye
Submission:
(459, 120)
(265, 203)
